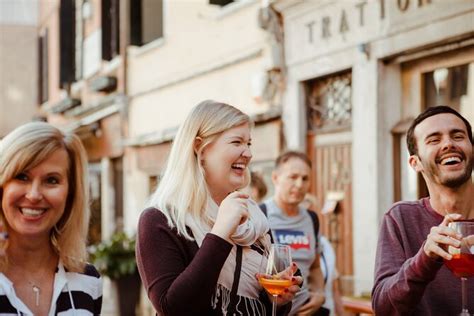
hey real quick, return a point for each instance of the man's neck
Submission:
(459, 200)
(287, 208)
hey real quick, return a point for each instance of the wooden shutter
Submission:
(43, 78)
(110, 29)
(136, 22)
(67, 27)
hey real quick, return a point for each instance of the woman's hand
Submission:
(232, 212)
(289, 294)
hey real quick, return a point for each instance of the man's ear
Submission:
(274, 176)
(415, 163)
(197, 144)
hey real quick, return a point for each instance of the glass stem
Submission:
(274, 305)
(464, 295)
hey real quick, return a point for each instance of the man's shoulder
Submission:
(401, 207)
(410, 212)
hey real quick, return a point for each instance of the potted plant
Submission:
(115, 258)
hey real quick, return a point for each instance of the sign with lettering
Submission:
(315, 28)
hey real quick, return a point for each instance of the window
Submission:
(67, 38)
(449, 86)
(95, 187)
(79, 43)
(117, 165)
(329, 102)
(43, 78)
(110, 29)
(146, 21)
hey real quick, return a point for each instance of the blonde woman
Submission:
(44, 195)
(200, 242)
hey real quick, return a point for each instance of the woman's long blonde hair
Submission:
(183, 187)
(26, 147)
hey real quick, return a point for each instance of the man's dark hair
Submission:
(431, 111)
(287, 155)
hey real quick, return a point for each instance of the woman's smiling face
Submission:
(225, 161)
(35, 199)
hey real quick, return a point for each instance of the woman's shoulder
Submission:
(152, 215)
(152, 212)
(91, 271)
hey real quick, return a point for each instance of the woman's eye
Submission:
(21, 177)
(52, 180)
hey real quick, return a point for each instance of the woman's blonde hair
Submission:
(183, 187)
(25, 148)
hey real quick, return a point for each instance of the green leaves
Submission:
(115, 258)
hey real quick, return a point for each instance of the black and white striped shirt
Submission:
(74, 294)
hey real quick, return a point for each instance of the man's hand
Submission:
(440, 237)
(316, 300)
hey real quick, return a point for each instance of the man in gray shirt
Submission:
(294, 226)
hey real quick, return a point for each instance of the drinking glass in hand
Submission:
(462, 262)
(275, 272)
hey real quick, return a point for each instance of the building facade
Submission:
(18, 61)
(83, 89)
(357, 75)
(124, 74)
(206, 51)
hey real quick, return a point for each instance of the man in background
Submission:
(297, 227)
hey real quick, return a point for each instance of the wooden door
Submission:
(331, 155)
(329, 114)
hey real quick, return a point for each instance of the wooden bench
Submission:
(357, 305)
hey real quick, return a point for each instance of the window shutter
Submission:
(43, 79)
(136, 22)
(66, 42)
(106, 30)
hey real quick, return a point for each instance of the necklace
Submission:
(37, 291)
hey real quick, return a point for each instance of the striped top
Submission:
(73, 293)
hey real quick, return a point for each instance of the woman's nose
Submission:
(247, 153)
(34, 192)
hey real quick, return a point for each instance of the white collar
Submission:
(60, 281)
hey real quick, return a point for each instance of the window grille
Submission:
(329, 102)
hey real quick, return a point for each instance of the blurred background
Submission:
(340, 80)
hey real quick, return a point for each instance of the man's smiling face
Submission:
(444, 150)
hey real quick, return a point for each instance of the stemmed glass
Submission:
(462, 262)
(275, 272)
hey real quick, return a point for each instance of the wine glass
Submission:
(462, 262)
(275, 271)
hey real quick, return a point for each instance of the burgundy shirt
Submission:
(407, 281)
(180, 277)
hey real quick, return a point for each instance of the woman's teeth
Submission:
(29, 212)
